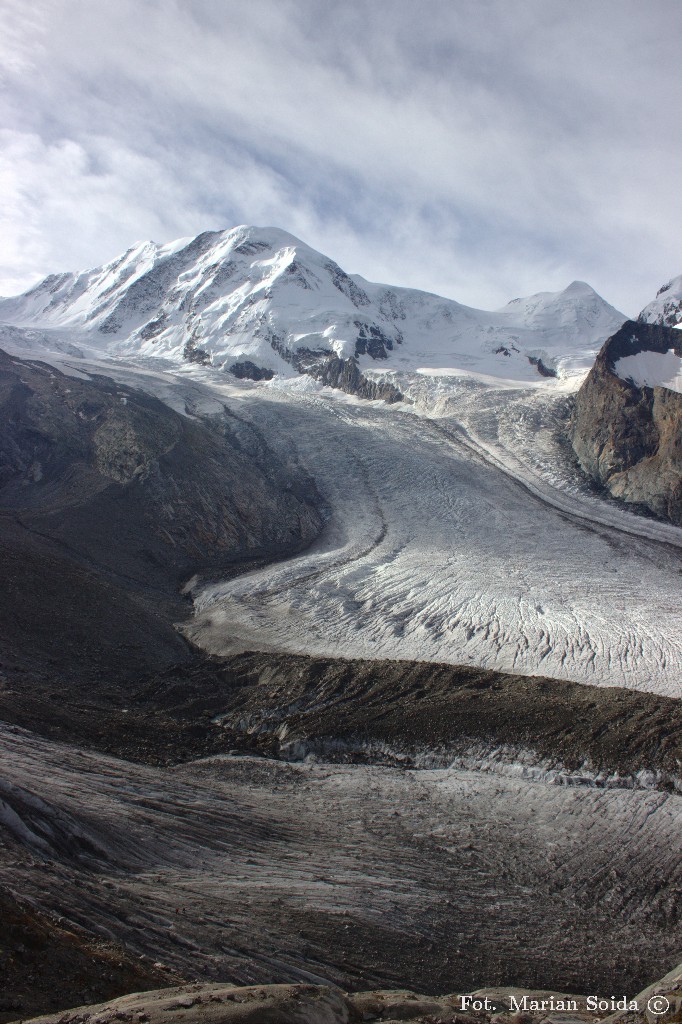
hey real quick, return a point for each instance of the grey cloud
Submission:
(481, 149)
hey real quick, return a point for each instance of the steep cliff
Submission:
(627, 422)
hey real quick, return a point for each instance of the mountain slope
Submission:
(109, 501)
(257, 301)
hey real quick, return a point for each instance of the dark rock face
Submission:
(194, 354)
(629, 438)
(372, 341)
(154, 327)
(345, 375)
(246, 370)
(542, 368)
(110, 500)
(347, 285)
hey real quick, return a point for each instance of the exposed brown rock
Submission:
(629, 438)
(45, 966)
(319, 1004)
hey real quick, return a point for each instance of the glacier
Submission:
(458, 529)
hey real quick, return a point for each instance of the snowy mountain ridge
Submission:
(666, 308)
(258, 302)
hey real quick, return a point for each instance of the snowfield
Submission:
(652, 369)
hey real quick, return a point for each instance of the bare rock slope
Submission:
(44, 966)
(626, 428)
(110, 500)
(317, 1004)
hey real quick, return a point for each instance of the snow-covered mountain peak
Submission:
(578, 299)
(259, 301)
(569, 327)
(579, 288)
(673, 287)
(666, 308)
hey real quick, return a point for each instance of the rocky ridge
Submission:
(257, 302)
(627, 434)
(666, 308)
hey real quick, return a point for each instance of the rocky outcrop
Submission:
(321, 1004)
(628, 435)
(372, 341)
(543, 370)
(246, 370)
(345, 375)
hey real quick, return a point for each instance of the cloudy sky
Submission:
(482, 149)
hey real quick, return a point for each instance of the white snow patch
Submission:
(652, 370)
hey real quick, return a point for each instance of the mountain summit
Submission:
(259, 302)
(666, 308)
